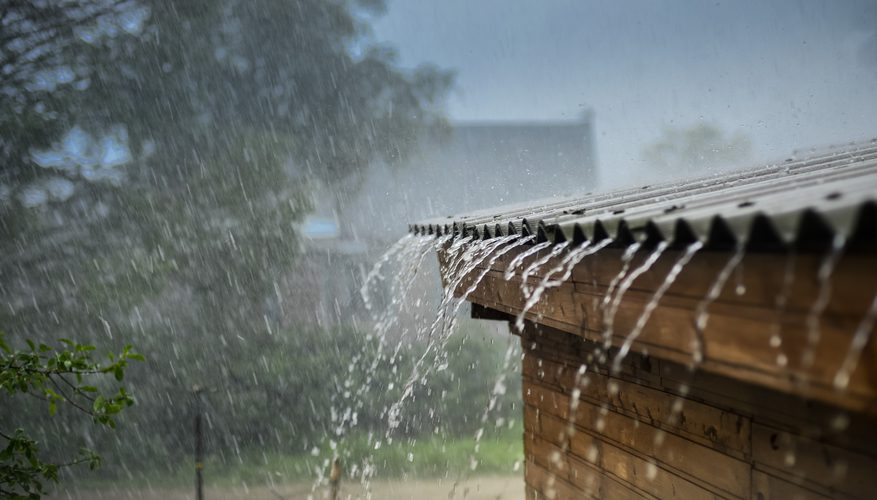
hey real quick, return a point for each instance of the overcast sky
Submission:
(788, 74)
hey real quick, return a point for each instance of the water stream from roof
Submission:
(565, 267)
(464, 256)
(625, 284)
(776, 340)
(396, 270)
(701, 319)
(605, 302)
(375, 272)
(644, 316)
(701, 313)
(537, 264)
(483, 257)
(469, 260)
(519, 259)
(456, 257)
(823, 297)
(861, 336)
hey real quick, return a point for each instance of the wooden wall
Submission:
(738, 336)
(728, 439)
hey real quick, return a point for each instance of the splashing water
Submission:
(823, 277)
(860, 340)
(650, 307)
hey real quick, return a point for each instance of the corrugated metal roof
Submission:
(796, 203)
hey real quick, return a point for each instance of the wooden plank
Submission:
(707, 467)
(547, 484)
(548, 456)
(630, 468)
(810, 462)
(768, 487)
(588, 479)
(710, 426)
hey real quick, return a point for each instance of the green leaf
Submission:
(53, 408)
(137, 357)
(88, 388)
(119, 373)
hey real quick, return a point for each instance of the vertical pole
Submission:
(199, 448)
(335, 478)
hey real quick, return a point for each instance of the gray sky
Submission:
(787, 74)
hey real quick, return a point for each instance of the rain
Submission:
(389, 249)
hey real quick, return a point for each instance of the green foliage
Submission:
(57, 376)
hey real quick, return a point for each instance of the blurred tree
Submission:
(209, 119)
(700, 146)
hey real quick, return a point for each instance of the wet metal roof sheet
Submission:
(796, 203)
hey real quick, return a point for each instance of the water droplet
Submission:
(659, 437)
(613, 388)
(840, 422)
(651, 471)
(592, 454)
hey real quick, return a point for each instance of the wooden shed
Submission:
(704, 339)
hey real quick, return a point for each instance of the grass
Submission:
(433, 456)
(500, 452)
